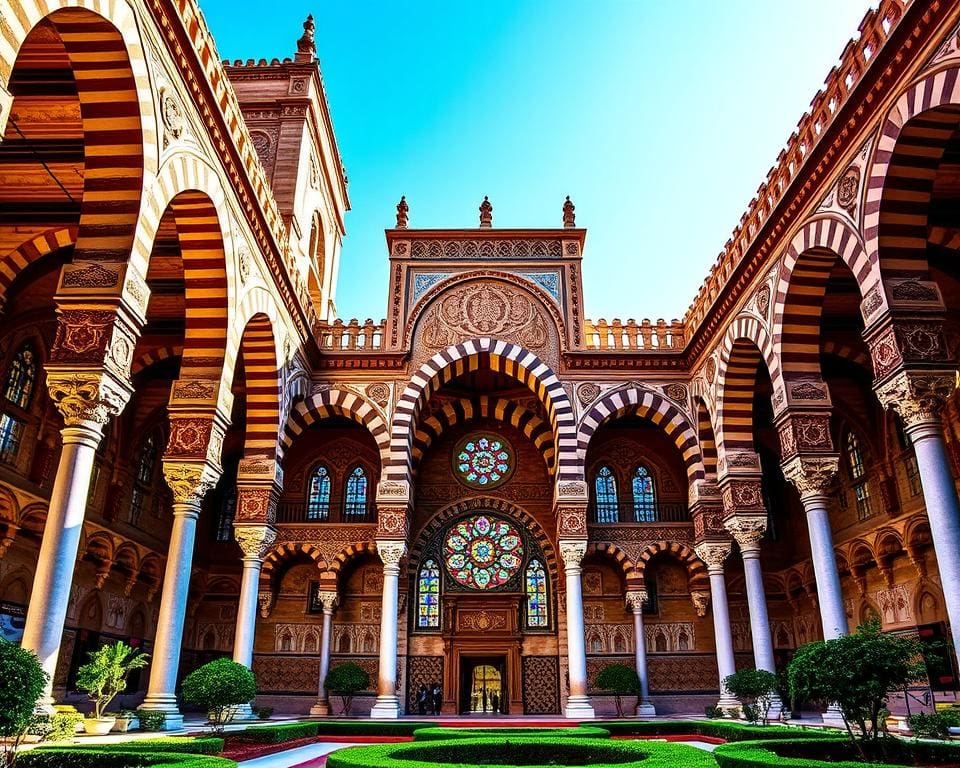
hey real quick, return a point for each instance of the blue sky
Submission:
(659, 119)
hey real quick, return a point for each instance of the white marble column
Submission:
(748, 530)
(578, 706)
(87, 402)
(387, 705)
(329, 601)
(713, 553)
(635, 601)
(189, 483)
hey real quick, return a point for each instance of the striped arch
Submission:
(281, 554)
(804, 273)
(262, 384)
(34, 249)
(845, 351)
(707, 439)
(154, 356)
(911, 145)
(745, 346)
(611, 550)
(337, 402)
(648, 405)
(533, 427)
(696, 569)
(503, 357)
(486, 504)
(348, 553)
(116, 109)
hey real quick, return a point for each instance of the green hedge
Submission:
(370, 727)
(463, 753)
(720, 729)
(831, 753)
(446, 734)
(276, 734)
(202, 745)
(67, 757)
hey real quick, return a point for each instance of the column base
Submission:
(386, 708)
(646, 709)
(321, 708)
(579, 708)
(173, 720)
(243, 712)
(730, 705)
(833, 717)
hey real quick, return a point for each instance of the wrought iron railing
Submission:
(629, 512)
(301, 512)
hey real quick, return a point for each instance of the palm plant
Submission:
(105, 675)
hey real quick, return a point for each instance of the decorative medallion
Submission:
(482, 552)
(483, 460)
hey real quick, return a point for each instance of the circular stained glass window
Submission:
(483, 460)
(482, 552)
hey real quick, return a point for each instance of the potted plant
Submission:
(22, 681)
(220, 687)
(757, 689)
(103, 677)
(126, 720)
(621, 680)
(344, 681)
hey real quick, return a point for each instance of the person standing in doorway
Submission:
(422, 700)
(437, 698)
(495, 702)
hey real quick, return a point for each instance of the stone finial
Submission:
(403, 211)
(569, 217)
(306, 45)
(486, 213)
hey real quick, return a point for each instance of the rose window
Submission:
(483, 461)
(482, 552)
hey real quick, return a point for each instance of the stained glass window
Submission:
(11, 430)
(21, 377)
(483, 461)
(428, 595)
(482, 552)
(148, 459)
(536, 595)
(356, 497)
(607, 504)
(644, 497)
(858, 475)
(318, 498)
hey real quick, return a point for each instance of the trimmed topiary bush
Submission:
(277, 734)
(346, 680)
(22, 681)
(220, 686)
(833, 752)
(70, 757)
(448, 734)
(731, 731)
(188, 745)
(620, 680)
(370, 727)
(756, 688)
(462, 753)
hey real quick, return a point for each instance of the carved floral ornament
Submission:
(747, 530)
(255, 540)
(811, 475)
(713, 553)
(917, 397)
(572, 552)
(391, 552)
(328, 599)
(741, 495)
(190, 482)
(635, 599)
(701, 602)
(89, 398)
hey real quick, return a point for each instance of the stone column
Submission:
(813, 476)
(329, 601)
(255, 541)
(578, 706)
(635, 601)
(748, 530)
(713, 553)
(918, 399)
(387, 704)
(87, 401)
(189, 483)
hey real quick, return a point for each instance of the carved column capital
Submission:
(701, 602)
(189, 481)
(391, 552)
(328, 599)
(917, 396)
(747, 530)
(713, 553)
(254, 540)
(572, 552)
(811, 475)
(635, 599)
(87, 398)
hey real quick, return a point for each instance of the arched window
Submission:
(606, 505)
(644, 496)
(428, 595)
(858, 475)
(536, 587)
(318, 496)
(228, 508)
(21, 377)
(18, 392)
(355, 505)
(143, 482)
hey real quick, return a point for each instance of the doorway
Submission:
(482, 686)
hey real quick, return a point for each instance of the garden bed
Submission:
(834, 753)
(446, 734)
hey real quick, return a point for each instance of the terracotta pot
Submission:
(94, 726)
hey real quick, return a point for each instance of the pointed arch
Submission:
(503, 357)
(696, 568)
(34, 249)
(262, 385)
(707, 439)
(653, 407)
(613, 551)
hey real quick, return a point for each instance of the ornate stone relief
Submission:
(587, 393)
(917, 397)
(190, 482)
(747, 530)
(713, 553)
(538, 248)
(572, 552)
(812, 475)
(87, 398)
(255, 540)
